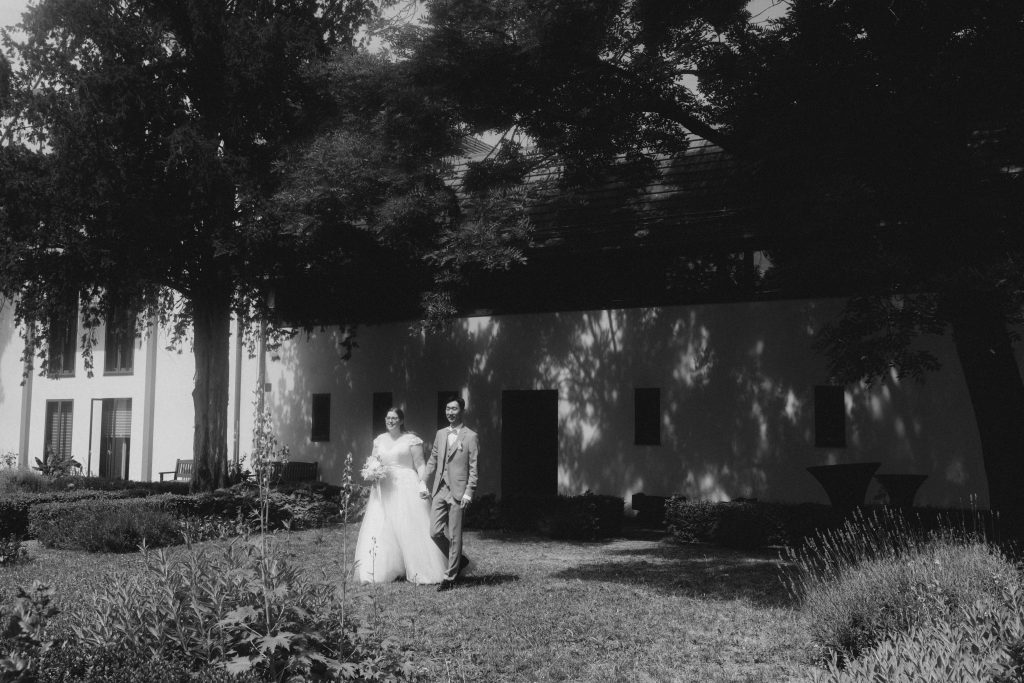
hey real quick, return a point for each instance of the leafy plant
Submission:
(11, 550)
(56, 464)
(877, 577)
(8, 460)
(24, 629)
(103, 525)
(972, 644)
(242, 606)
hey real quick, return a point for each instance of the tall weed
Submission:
(977, 643)
(13, 480)
(877, 576)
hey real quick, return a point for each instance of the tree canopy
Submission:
(881, 144)
(189, 157)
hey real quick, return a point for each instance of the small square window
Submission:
(321, 430)
(647, 417)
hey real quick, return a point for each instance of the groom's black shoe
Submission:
(445, 585)
(463, 563)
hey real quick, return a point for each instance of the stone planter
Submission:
(846, 485)
(901, 488)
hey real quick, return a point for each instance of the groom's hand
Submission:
(466, 499)
(424, 493)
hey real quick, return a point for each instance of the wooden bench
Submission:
(182, 471)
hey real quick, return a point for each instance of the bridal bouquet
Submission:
(374, 470)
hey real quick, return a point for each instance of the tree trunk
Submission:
(997, 396)
(212, 329)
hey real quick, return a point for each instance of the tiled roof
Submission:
(625, 241)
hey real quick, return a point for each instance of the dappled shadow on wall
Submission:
(731, 420)
(736, 388)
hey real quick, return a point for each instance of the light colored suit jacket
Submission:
(455, 464)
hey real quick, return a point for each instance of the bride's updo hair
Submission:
(401, 416)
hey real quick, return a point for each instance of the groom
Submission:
(453, 456)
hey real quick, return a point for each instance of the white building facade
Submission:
(715, 402)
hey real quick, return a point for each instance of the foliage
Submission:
(917, 223)
(746, 524)
(70, 662)
(264, 153)
(56, 464)
(974, 644)
(25, 632)
(18, 480)
(103, 525)
(11, 550)
(586, 517)
(8, 460)
(877, 577)
(15, 507)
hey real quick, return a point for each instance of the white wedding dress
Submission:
(394, 538)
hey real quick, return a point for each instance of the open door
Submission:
(529, 443)
(115, 437)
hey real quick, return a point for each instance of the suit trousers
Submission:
(446, 528)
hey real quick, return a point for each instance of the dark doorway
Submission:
(115, 437)
(382, 402)
(443, 397)
(529, 443)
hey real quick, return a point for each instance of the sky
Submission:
(10, 11)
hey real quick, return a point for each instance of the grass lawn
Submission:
(532, 609)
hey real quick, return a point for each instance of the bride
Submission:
(394, 538)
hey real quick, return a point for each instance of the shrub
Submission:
(11, 551)
(974, 644)
(71, 663)
(56, 464)
(483, 513)
(877, 577)
(18, 480)
(585, 517)
(14, 508)
(242, 606)
(23, 632)
(103, 525)
(741, 524)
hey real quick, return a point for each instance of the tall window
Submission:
(647, 417)
(58, 427)
(829, 417)
(119, 343)
(321, 430)
(62, 342)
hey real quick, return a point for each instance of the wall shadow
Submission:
(736, 382)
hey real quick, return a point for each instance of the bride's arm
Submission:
(418, 463)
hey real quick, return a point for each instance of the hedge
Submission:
(746, 524)
(14, 508)
(103, 524)
(753, 524)
(584, 517)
